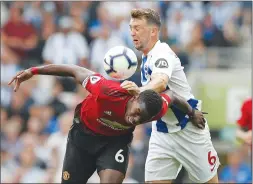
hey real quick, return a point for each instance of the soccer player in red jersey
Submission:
(103, 123)
(244, 131)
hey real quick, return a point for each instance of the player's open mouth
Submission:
(135, 40)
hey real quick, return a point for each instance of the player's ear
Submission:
(154, 31)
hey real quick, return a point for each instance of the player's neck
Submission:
(150, 47)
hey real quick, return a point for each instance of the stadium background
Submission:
(212, 39)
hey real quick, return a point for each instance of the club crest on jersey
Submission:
(108, 112)
(66, 175)
(94, 79)
(161, 63)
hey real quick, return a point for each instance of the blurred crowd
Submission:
(35, 120)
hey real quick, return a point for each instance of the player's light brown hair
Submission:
(150, 15)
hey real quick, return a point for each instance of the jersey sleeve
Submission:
(244, 120)
(163, 63)
(100, 87)
(93, 83)
(166, 103)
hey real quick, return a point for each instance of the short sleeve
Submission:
(166, 103)
(244, 119)
(100, 87)
(93, 83)
(163, 63)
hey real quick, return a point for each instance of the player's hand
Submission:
(198, 119)
(131, 87)
(20, 77)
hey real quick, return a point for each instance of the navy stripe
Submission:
(161, 126)
(144, 59)
(182, 118)
(149, 71)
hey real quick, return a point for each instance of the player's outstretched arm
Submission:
(79, 73)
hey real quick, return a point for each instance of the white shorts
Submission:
(168, 152)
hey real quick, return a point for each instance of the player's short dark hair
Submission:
(153, 102)
(151, 16)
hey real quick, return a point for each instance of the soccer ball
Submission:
(120, 62)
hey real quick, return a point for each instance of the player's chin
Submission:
(137, 46)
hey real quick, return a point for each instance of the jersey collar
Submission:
(150, 52)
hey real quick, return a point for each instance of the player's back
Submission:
(103, 110)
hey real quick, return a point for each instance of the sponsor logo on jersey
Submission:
(161, 63)
(112, 124)
(94, 79)
(108, 112)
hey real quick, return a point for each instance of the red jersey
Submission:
(245, 120)
(103, 110)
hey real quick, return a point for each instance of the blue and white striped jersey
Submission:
(161, 59)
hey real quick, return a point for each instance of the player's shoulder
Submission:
(247, 103)
(95, 77)
(162, 49)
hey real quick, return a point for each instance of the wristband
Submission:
(34, 70)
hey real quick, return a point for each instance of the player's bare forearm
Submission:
(157, 83)
(79, 73)
(196, 117)
(179, 102)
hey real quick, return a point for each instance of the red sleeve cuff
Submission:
(166, 98)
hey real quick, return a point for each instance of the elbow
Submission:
(163, 86)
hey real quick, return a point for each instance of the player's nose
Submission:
(133, 33)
